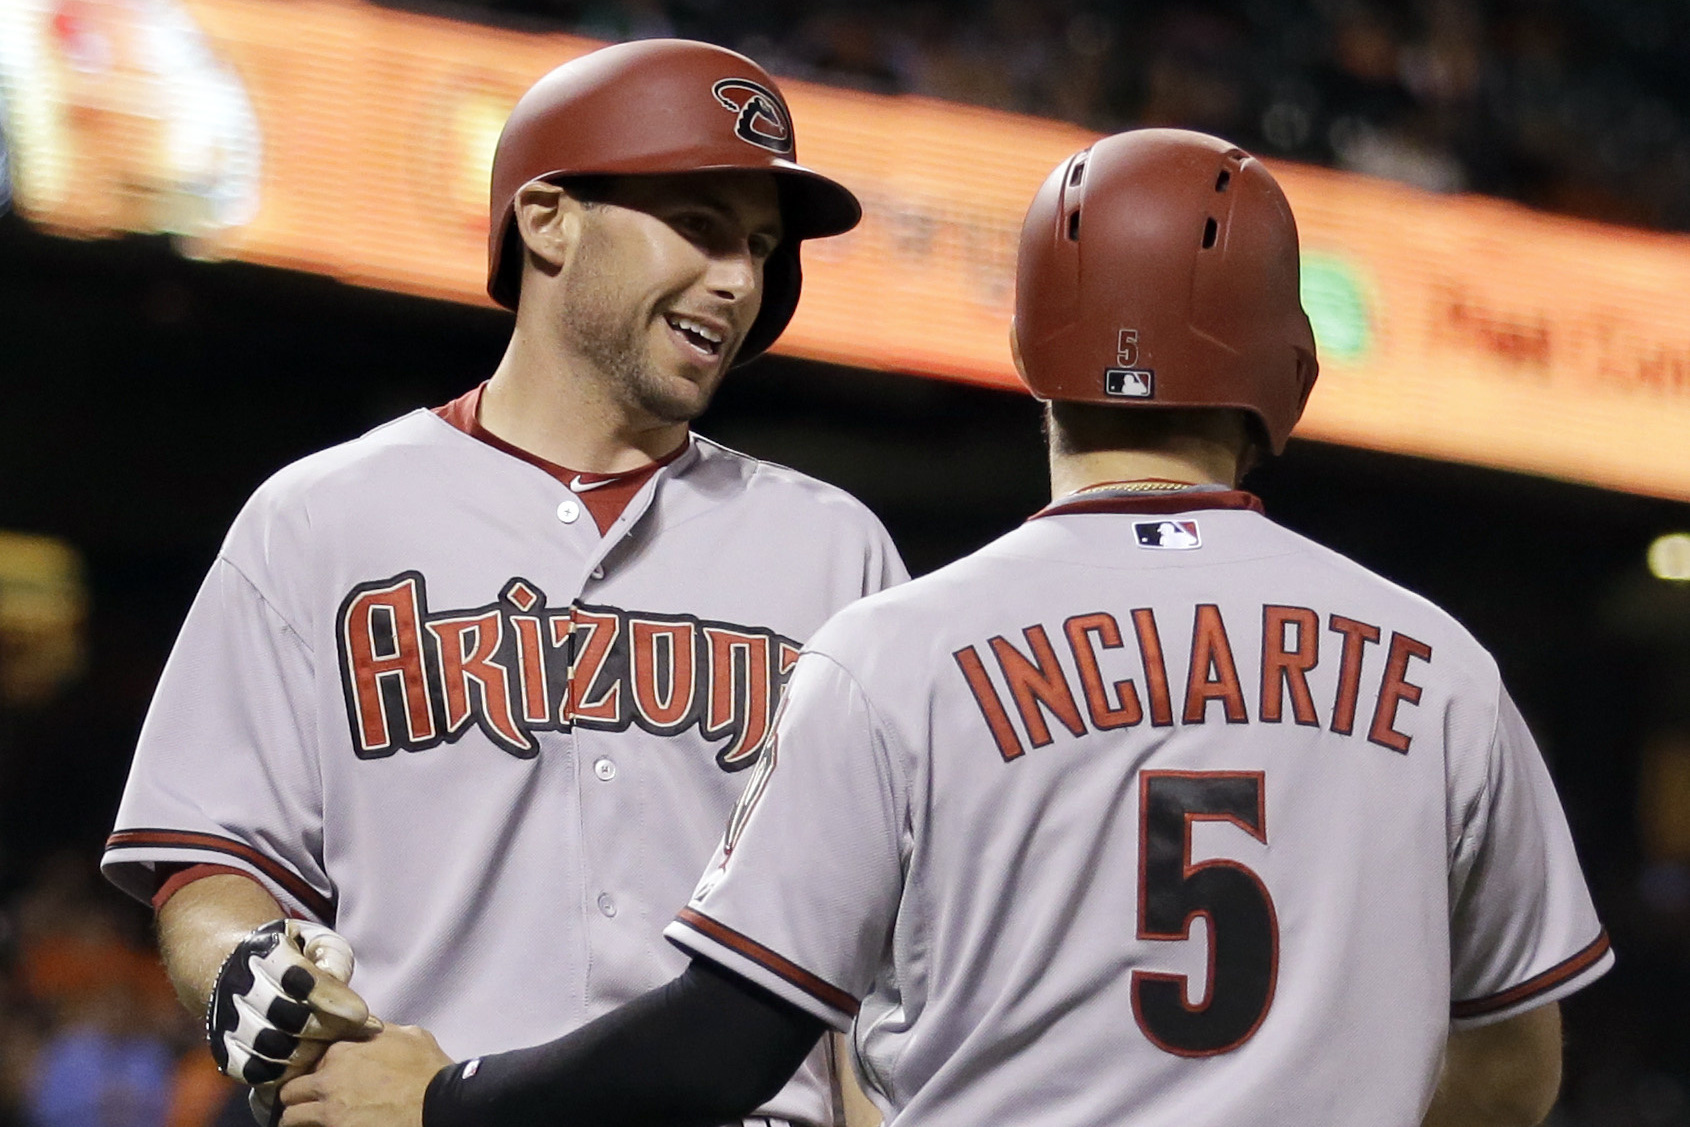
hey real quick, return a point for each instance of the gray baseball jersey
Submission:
(1155, 813)
(423, 700)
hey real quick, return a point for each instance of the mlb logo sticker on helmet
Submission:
(1179, 534)
(1129, 383)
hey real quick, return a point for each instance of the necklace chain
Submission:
(1139, 485)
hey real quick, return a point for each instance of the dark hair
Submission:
(1085, 428)
(590, 191)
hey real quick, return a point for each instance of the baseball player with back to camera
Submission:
(1151, 812)
(478, 690)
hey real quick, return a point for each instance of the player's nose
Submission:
(735, 274)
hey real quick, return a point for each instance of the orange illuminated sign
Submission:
(346, 139)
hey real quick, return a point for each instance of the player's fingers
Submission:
(273, 1009)
(280, 994)
(309, 1003)
(304, 1115)
(304, 1102)
(371, 1028)
(327, 949)
(336, 1011)
(249, 1067)
(266, 1029)
(262, 1055)
(266, 1065)
(304, 1060)
(303, 1089)
(259, 1052)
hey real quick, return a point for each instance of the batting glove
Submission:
(280, 999)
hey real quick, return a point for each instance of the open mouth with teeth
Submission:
(701, 339)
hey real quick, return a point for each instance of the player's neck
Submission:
(533, 403)
(1194, 463)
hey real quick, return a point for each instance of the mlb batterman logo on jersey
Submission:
(1167, 534)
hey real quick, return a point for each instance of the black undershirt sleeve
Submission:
(705, 1049)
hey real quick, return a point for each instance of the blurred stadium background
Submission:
(240, 230)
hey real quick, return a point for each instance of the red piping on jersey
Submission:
(611, 492)
(286, 878)
(1537, 984)
(818, 988)
(1159, 504)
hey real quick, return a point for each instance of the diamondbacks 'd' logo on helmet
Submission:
(761, 116)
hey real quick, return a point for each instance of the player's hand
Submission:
(280, 999)
(379, 1083)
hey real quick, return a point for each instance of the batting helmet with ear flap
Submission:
(664, 106)
(1158, 268)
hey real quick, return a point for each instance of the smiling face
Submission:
(665, 281)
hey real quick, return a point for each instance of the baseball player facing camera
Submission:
(1152, 812)
(465, 702)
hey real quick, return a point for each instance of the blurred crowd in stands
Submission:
(1577, 106)
(91, 1034)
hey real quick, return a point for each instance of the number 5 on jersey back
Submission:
(1243, 928)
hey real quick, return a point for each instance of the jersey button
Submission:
(606, 904)
(569, 511)
(598, 573)
(605, 770)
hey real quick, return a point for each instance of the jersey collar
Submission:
(464, 411)
(1149, 504)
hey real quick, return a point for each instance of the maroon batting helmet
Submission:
(664, 106)
(1159, 268)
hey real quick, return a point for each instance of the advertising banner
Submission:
(351, 140)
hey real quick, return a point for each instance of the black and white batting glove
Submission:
(280, 999)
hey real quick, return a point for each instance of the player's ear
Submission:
(548, 219)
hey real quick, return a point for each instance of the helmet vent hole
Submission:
(1222, 180)
(1077, 174)
(1210, 230)
(1074, 226)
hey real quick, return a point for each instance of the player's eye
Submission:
(694, 224)
(763, 245)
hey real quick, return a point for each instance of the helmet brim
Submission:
(812, 206)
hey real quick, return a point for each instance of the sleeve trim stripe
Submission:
(1537, 984)
(286, 879)
(818, 988)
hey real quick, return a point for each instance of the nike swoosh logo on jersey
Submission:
(576, 485)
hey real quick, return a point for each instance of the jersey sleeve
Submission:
(802, 893)
(226, 771)
(885, 567)
(1523, 930)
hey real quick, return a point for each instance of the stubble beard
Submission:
(616, 343)
(623, 359)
